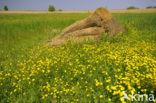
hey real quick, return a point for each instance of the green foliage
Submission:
(79, 73)
(51, 8)
(5, 8)
(149, 7)
(32, 29)
(60, 10)
(132, 7)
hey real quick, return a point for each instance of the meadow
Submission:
(89, 72)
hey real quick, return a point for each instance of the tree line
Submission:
(148, 7)
(52, 8)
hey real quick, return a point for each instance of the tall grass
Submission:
(86, 72)
(21, 31)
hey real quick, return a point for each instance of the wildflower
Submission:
(101, 96)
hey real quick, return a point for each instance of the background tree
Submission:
(51, 8)
(5, 8)
(60, 10)
(132, 7)
(148, 7)
(154, 6)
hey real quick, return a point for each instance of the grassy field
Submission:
(31, 72)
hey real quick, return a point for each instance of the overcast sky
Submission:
(74, 4)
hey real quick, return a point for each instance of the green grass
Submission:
(31, 28)
(26, 30)
(87, 72)
(19, 32)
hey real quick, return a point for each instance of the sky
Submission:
(73, 5)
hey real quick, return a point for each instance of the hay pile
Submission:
(92, 28)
